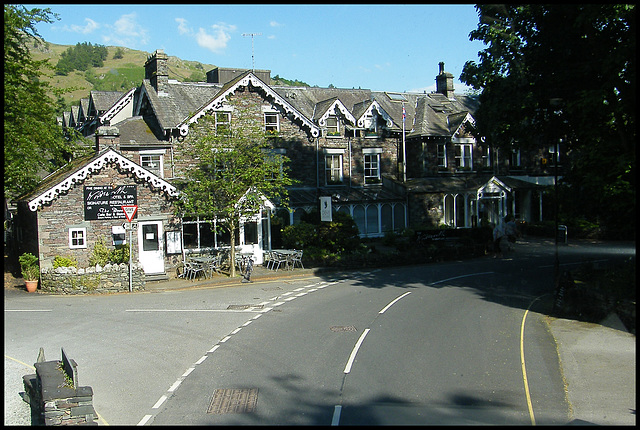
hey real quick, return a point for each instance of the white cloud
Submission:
(127, 32)
(183, 28)
(88, 28)
(217, 42)
(275, 24)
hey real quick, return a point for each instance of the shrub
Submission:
(119, 255)
(60, 261)
(29, 266)
(100, 254)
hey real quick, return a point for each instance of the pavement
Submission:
(598, 361)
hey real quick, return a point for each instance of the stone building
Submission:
(390, 160)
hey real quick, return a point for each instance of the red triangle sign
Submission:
(129, 211)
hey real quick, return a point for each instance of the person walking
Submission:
(498, 234)
(510, 232)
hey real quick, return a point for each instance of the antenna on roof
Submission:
(253, 66)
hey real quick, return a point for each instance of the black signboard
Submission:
(106, 201)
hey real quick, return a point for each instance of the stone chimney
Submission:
(444, 82)
(107, 137)
(156, 69)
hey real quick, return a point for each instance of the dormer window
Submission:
(271, 122)
(371, 126)
(333, 126)
(223, 122)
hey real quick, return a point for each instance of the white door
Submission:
(151, 246)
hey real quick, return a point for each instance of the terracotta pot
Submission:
(31, 285)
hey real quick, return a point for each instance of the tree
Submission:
(583, 58)
(234, 171)
(34, 143)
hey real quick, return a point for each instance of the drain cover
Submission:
(233, 401)
(342, 328)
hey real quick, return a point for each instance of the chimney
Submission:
(107, 137)
(156, 69)
(444, 82)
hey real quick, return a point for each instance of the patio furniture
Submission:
(192, 269)
(296, 258)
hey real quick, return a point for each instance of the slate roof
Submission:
(179, 100)
(136, 131)
(101, 101)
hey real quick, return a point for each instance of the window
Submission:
(271, 123)
(486, 156)
(463, 156)
(441, 154)
(274, 162)
(223, 121)
(371, 126)
(152, 162)
(515, 157)
(372, 165)
(77, 238)
(333, 126)
(333, 168)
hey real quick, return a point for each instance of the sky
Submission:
(378, 47)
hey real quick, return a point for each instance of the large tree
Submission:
(34, 143)
(234, 171)
(565, 71)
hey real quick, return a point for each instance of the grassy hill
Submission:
(119, 74)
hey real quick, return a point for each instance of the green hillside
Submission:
(117, 74)
(120, 74)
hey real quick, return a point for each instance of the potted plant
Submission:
(30, 270)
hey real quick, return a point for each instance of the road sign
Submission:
(129, 211)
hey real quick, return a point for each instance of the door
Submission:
(151, 246)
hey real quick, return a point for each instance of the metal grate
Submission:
(233, 401)
(342, 328)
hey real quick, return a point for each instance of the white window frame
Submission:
(331, 128)
(371, 126)
(515, 157)
(441, 154)
(152, 153)
(464, 155)
(271, 126)
(486, 156)
(330, 157)
(218, 115)
(373, 154)
(83, 231)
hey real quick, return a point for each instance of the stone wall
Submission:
(93, 280)
(55, 397)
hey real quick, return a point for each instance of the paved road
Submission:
(446, 352)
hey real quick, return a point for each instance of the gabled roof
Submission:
(330, 107)
(178, 101)
(248, 79)
(75, 173)
(136, 131)
(101, 101)
(369, 107)
(437, 115)
(117, 106)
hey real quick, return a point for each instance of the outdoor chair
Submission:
(279, 259)
(296, 258)
(192, 270)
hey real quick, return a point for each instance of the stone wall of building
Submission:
(93, 280)
(55, 220)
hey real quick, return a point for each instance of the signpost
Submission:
(129, 213)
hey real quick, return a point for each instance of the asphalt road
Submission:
(433, 344)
